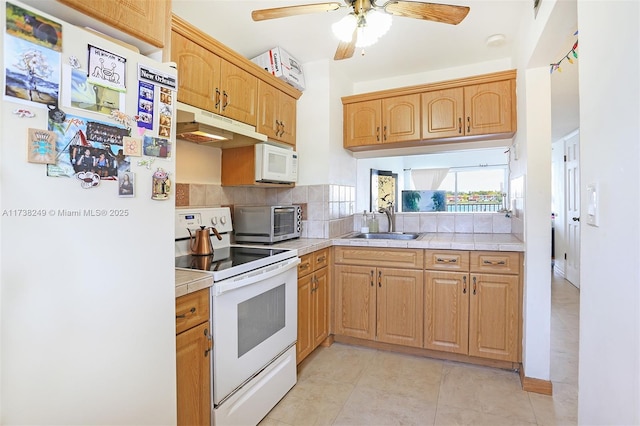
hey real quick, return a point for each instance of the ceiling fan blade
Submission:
(445, 13)
(283, 12)
(345, 50)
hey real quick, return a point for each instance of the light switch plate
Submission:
(593, 205)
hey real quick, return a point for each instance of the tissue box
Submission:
(279, 63)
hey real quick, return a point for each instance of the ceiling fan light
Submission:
(365, 37)
(343, 29)
(378, 22)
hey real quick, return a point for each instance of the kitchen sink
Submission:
(387, 236)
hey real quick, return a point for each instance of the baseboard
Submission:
(529, 384)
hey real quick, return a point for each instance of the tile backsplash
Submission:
(328, 210)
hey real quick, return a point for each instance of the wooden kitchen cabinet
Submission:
(468, 109)
(146, 20)
(469, 311)
(193, 364)
(389, 120)
(313, 302)
(212, 83)
(276, 114)
(379, 303)
(480, 109)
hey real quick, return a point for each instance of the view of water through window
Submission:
(475, 190)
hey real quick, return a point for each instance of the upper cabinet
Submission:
(276, 114)
(389, 120)
(475, 108)
(480, 109)
(217, 79)
(146, 20)
(212, 83)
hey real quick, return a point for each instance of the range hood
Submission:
(206, 128)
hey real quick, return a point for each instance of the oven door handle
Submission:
(252, 277)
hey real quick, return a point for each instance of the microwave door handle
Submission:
(225, 287)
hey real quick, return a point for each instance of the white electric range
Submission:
(253, 317)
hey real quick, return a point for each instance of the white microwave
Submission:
(275, 164)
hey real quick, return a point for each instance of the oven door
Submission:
(254, 319)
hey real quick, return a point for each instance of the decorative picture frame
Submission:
(383, 190)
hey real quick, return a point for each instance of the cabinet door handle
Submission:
(379, 278)
(226, 102)
(372, 278)
(282, 129)
(499, 262)
(464, 285)
(459, 124)
(192, 311)
(378, 133)
(468, 124)
(210, 343)
(217, 98)
(474, 286)
(384, 133)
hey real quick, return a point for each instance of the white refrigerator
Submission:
(87, 296)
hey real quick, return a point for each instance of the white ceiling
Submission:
(411, 45)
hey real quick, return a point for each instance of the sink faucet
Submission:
(389, 212)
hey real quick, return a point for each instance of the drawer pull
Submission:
(321, 259)
(441, 260)
(488, 262)
(304, 266)
(192, 311)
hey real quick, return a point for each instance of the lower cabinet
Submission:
(193, 367)
(313, 302)
(469, 311)
(378, 303)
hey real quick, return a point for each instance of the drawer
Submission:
(320, 259)
(446, 260)
(192, 309)
(497, 262)
(305, 266)
(387, 257)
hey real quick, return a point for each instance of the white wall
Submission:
(609, 374)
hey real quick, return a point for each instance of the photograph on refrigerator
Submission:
(87, 145)
(86, 95)
(31, 48)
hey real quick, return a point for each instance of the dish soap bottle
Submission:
(364, 228)
(373, 223)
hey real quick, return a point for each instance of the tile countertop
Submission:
(442, 240)
(190, 281)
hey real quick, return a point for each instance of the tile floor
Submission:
(348, 385)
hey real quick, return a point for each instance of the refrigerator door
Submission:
(86, 255)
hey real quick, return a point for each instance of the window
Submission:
(478, 189)
(468, 189)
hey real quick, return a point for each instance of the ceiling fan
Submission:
(368, 21)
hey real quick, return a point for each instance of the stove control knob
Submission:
(223, 220)
(214, 221)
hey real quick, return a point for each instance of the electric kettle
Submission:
(200, 243)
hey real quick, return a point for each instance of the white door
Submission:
(572, 203)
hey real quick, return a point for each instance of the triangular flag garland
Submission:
(570, 56)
